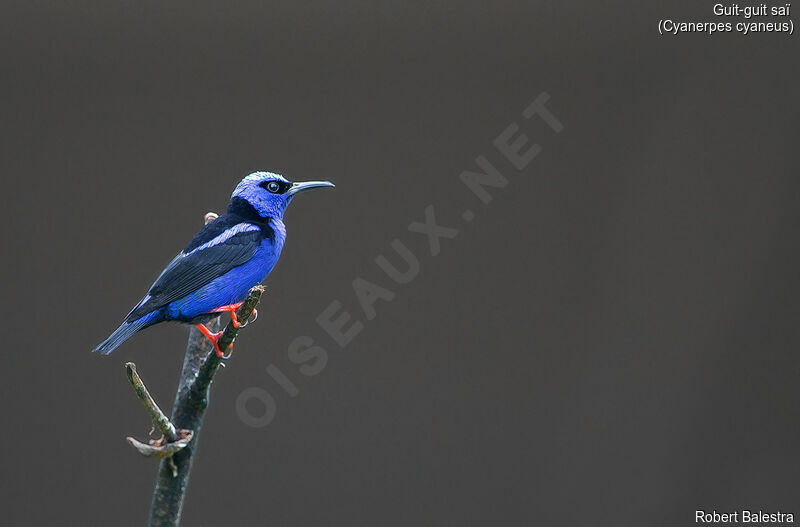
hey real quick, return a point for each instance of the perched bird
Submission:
(215, 272)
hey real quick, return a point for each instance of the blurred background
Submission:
(611, 341)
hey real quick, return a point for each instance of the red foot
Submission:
(232, 309)
(214, 338)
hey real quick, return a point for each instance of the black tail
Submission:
(124, 332)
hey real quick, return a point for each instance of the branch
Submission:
(212, 363)
(199, 367)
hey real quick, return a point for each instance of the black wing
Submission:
(191, 270)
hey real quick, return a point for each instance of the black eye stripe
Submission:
(283, 186)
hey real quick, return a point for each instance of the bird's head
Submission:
(269, 193)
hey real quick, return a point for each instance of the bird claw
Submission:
(252, 318)
(222, 355)
(218, 351)
(214, 338)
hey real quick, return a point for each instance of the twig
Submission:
(159, 419)
(172, 440)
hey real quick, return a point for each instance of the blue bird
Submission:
(215, 272)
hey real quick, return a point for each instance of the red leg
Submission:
(214, 338)
(230, 308)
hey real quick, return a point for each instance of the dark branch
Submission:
(199, 367)
(191, 401)
(202, 382)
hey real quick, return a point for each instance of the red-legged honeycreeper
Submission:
(215, 272)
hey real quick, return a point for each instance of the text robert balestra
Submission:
(742, 516)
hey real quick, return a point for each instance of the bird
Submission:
(222, 262)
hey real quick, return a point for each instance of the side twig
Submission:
(172, 440)
(159, 419)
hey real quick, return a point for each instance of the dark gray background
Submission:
(612, 341)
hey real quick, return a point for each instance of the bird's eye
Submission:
(273, 187)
